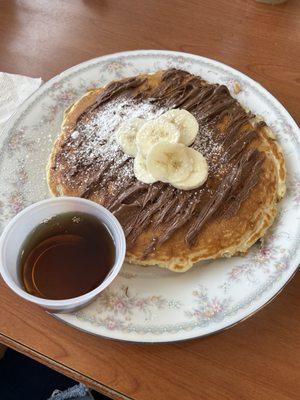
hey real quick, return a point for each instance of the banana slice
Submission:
(126, 135)
(140, 170)
(185, 122)
(199, 173)
(169, 162)
(156, 131)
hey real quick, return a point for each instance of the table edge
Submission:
(63, 369)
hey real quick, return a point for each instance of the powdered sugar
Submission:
(212, 150)
(93, 144)
(93, 139)
(74, 134)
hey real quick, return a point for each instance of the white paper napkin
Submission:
(14, 89)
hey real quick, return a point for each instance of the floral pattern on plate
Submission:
(148, 303)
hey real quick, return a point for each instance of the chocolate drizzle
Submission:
(225, 138)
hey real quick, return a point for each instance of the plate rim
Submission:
(186, 339)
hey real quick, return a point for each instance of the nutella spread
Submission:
(95, 161)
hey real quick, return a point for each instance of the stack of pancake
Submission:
(163, 225)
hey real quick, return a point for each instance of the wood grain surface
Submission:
(257, 359)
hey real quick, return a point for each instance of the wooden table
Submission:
(258, 359)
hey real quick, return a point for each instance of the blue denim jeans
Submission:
(77, 392)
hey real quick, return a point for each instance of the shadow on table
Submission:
(23, 378)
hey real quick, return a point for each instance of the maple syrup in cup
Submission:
(61, 253)
(66, 256)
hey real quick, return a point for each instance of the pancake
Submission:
(165, 226)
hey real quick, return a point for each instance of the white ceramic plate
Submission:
(151, 304)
